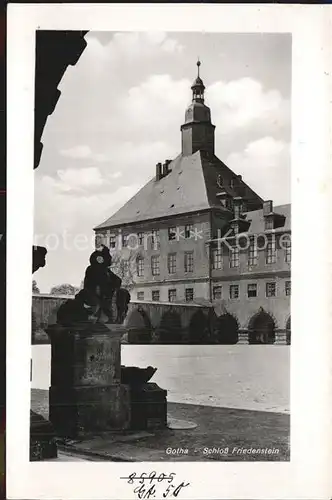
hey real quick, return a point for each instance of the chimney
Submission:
(239, 177)
(267, 207)
(165, 167)
(158, 171)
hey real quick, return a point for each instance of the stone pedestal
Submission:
(86, 394)
(280, 337)
(243, 337)
(148, 407)
(42, 438)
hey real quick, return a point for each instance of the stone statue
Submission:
(102, 300)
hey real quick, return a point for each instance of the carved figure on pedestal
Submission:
(102, 299)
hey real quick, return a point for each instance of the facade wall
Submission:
(244, 308)
(201, 290)
(198, 278)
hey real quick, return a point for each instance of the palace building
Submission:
(196, 232)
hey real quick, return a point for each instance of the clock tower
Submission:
(197, 131)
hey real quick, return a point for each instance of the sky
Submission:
(120, 112)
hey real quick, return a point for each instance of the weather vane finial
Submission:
(198, 65)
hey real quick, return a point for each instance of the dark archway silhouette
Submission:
(198, 328)
(170, 328)
(288, 331)
(261, 329)
(139, 327)
(227, 329)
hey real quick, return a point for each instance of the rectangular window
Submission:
(171, 263)
(217, 292)
(125, 238)
(252, 253)
(140, 267)
(188, 230)
(217, 258)
(287, 288)
(172, 295)
(189, 294)
(252, 290)
(125, 267)
(270, 289)
(269, 223)
(140, 238)
(235, 227)
(112, 241)
(155, 295)
(140, 295)
(171, 233)
(188, 262)
(155, 241)
(237, 211)
(155, 266)
(234, 257)
(234, 291)
(271, 251)
(288, 250)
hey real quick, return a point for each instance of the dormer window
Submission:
(220, 181)
(235, 227)
(269, 223)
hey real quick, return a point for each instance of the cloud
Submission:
(243, 103)
(265, 166)
(56, 210)
(131, 45)
(82, 152)
(77, 152)
(83, 178)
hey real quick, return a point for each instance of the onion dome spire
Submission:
(198, 86)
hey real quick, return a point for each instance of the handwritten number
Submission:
(131, 478)
(167, 491)
(178, 489)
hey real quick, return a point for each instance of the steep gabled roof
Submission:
(189, 187)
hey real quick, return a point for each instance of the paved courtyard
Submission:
(251, 377)
(196, 433)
